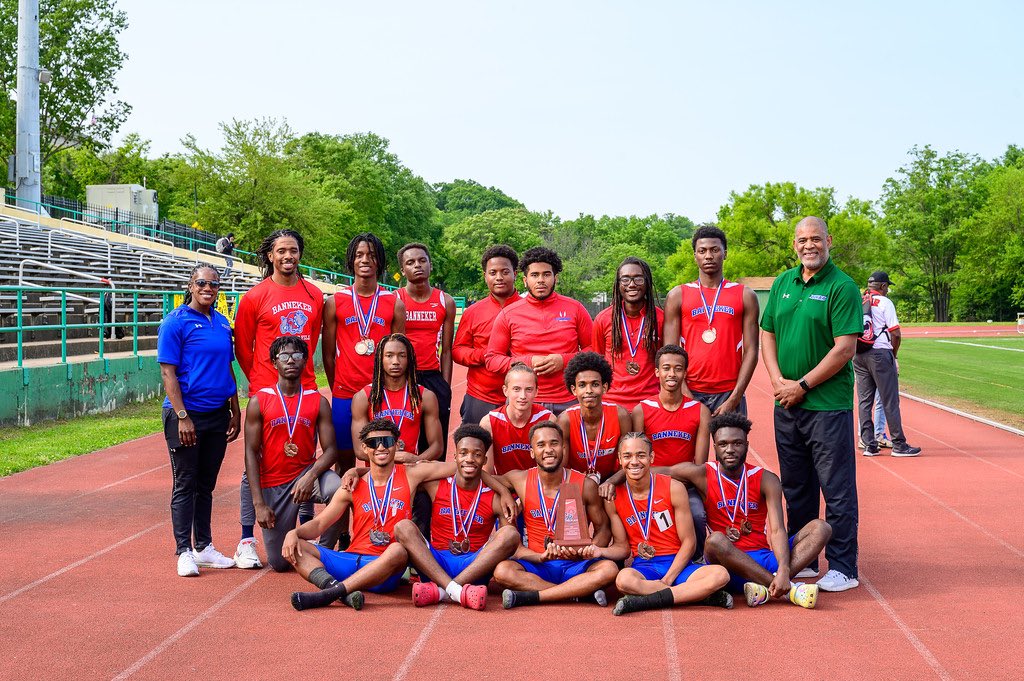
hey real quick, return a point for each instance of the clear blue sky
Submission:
(595, 107)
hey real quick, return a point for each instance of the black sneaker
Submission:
(871, 449)
(905, 451)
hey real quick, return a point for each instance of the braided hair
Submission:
(377, 385)
(267, 245)
(651, 338)
(199, 267)
(376, 247)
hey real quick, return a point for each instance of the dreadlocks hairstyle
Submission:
(708, 231)
(587, 361)
(651, 338)
(500, 251)
(267, 245)
(281, 342)
(540, 254)
(377, 385)
(732, 419)
(376, 247)
(201, 266)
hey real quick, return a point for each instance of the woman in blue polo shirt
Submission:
(201, 414)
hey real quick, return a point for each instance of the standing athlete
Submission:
(544, 330)
(483, 386)
(283, 304)
(591, 429)
(509, 425)
(629, 333)
(650, 519)
(744, 507)
(429, 324)
(716, 321)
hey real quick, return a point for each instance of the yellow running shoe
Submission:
(757, 594)
(804, 595)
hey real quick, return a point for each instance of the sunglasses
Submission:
(203, 283)
(385, 441)
(294, 356)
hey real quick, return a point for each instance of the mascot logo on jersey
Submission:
(293, 323)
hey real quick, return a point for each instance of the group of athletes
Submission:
(627, 407)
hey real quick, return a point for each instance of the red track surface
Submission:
(976, 331)
(88, 588)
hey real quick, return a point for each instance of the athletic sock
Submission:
(453, 591)
(247, 532)
(654, 601)
(512, 599)
(321, 578)
(304, 600)
(719, 599)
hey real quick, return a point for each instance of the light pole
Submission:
(27, 161)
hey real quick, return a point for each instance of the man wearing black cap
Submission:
(877, 368)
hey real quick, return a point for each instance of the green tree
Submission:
(465, 241)
(468, 197)
(78, 46)
(928, 208)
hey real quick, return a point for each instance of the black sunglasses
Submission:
(203, 283)
(386, 441)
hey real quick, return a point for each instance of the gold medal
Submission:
(709, 335)
(401, 445)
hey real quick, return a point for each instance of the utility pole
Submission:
(27, 160)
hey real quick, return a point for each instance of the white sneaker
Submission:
(837, 581)
(806, 573)
(212, 558)
(246, 556)
(187, 565)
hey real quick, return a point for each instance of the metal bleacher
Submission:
(74, 273)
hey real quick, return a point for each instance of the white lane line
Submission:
(963, 451)
(671, 654)
(77, 563)
(921, 648)
(202, 617)
(966, 415)
(979, 345)
(418, 645)
(1009, 547)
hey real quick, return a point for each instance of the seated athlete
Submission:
(374, 560)
(462, 553)
(509, 425)
(743, 504)
(650, 519)
(591, 429)
(542, 571)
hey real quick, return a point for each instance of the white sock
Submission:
(454, 591)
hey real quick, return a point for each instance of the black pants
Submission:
(434, 382)
(876, 370)
(195, 470)
(817, 457)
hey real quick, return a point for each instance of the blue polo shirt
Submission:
(202, 350)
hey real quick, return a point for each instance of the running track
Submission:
(88, 588)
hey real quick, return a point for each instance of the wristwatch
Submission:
(182, 414)
(803, 384)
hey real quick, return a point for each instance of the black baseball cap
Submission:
(879, 277)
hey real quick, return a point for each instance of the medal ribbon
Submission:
(633, 347)
(364, 322)
(741, 491)
(591, 456)
(380, 507)
(549, 518)
(401, 415)
(457, 523)
(645, 525)
(289, 422)
(710, 314)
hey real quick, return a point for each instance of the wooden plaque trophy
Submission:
(572, 528)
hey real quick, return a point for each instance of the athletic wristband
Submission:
(803, 384)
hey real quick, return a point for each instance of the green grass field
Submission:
(984, 376)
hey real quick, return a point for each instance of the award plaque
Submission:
(571, 525)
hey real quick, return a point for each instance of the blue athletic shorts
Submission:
(455, 564)
(343, 564)
(341, 414)
(557, 571)
(763, 557)
(655, 568)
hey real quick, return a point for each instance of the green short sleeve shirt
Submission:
(806, 317)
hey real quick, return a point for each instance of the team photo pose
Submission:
(509, 425)
(650, 520)
(748, 532)
(484, 388)
(629, 332)
(544, 330)
(542, 571)
(591, 429)
(282, 426)
(716, 321)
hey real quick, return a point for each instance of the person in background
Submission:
(226, 247)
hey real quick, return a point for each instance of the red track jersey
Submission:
(627, 389)
(713, 367)
(396, 408)
(470, 347)
(269, 310)
(672, 433)
(533, 517)
(531, 327)
(715, 506)
(353, 371)
(662, 533)
(423, 325)
(441, 532)
(511, 449)
(276, 468)
(607, 462)
(399, 508)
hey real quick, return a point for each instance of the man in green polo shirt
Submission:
(811, 323)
